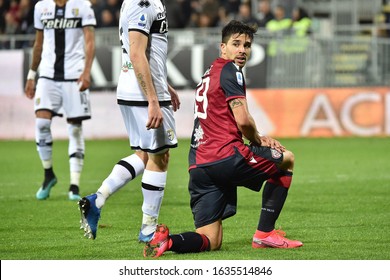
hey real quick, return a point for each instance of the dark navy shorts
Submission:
(213, 188)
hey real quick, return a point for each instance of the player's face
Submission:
(237, 48)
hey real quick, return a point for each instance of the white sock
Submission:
(75, 178)
(124, 171)
(47, 163)
(44, 141)
(76, 151)
(153, 185)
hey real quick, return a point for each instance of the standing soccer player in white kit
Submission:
(64, 49)
(147, 104)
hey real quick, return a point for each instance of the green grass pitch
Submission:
(338, 205)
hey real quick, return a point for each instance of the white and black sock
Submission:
(153, 186)
(124, 171)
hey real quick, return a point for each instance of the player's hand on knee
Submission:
(272, 143)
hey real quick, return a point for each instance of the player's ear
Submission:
(222, 48)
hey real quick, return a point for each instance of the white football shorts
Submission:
(53, 95)
(152, 140)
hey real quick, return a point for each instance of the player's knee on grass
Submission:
(215, 243)
(214, 234)
(214, 239)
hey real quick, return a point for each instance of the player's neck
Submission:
(60, 3)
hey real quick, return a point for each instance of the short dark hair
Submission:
(237, 27)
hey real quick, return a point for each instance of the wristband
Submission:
(31, 74)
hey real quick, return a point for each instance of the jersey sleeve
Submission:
(37, 16)
(141, 18)
(232, 82)
(88, 16)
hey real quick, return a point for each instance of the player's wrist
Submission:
(31, 74)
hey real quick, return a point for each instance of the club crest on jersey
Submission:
(37, 101)
(171, 134)
(240, 79)
(275, 154)
(75, 12)
(142, 20)
(198, 135)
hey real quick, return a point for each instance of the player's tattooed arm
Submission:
(247, 126)
(142, 83)
(235, 103)
(244, 120)
(138, 44)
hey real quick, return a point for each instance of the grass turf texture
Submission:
(338, 205)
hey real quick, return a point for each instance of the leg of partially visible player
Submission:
(76, 151)
(76, 105)
(44, 140)
(153, 186)
(274, 196)
(123, 172)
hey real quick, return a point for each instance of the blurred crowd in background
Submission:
(215, 13)
(17, 16)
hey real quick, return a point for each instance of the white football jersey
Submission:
(149, 18)
(63, 37)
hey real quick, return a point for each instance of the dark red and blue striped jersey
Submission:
(215, 134)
